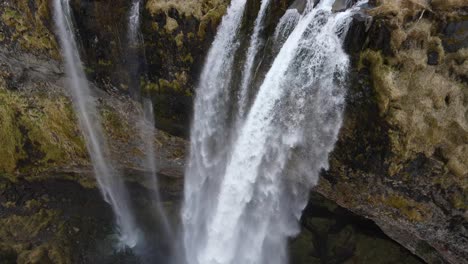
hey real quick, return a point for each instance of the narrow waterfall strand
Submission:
(109, 180)
(254, 46)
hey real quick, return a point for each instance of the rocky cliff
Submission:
(402, 155)
(401, 160)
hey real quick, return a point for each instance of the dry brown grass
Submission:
(449, 4)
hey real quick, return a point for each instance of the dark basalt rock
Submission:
(404, 195)
(357, 35)
(64, 222)
(433, 58)
(332, 234)
(455, 35)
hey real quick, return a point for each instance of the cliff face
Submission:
(402, 155)
(401, 159)
(175, 37)
(50, 208)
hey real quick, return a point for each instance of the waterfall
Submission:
(109, 180)
(210, 131)
(286, 25)
(254, 45)
(134, 23)
(145, 123)
(243, 200)
(133, 46)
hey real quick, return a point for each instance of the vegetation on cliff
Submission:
(27, 24)
(402, 155)
(37, 132)
(403, 149)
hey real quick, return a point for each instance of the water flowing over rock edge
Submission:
(377, 35)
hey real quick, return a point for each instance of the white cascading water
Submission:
(254, 46)
(210, 132)
(109, 180)
(243, 200)
(286, 25)
(134, 23)
(145, 124)
(146, 128)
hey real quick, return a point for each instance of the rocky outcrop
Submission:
(175, 38)
(332, 234)
(401, 159)
(25, 25)
(39, 130)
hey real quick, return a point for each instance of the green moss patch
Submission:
(28, 25)
(37, 132)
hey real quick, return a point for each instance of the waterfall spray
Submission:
(210, 132)
(259, 185)
(285, 26)
(145, 123)
(254, 46)
(134, 23)
(109, 180)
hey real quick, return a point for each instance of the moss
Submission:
(29, 26)
(459, 200)
(212, 18)
(177, 85)
(171, 24)
(409, 209)
(149, 87)
(53, 127)
(22, 236)
(423, 104)
(207, 12)
(381, 76)
(8, 204)
(22, 228)
(179, 39)
(165, 84)
(195, 8)
(36, 255)
(11, 138)
(188, 59)
(104, 63)
(38, 132)
(32, 204)
(115, 126)
(448, 4)
(399, 10)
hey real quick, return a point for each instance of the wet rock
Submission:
(73, 225)
(357, 35)
(455, 35)
(331, 234)
(396, 161)
(300, 5)
(341, 5)
(433, 58)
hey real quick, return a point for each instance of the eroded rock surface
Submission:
(402, 155)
